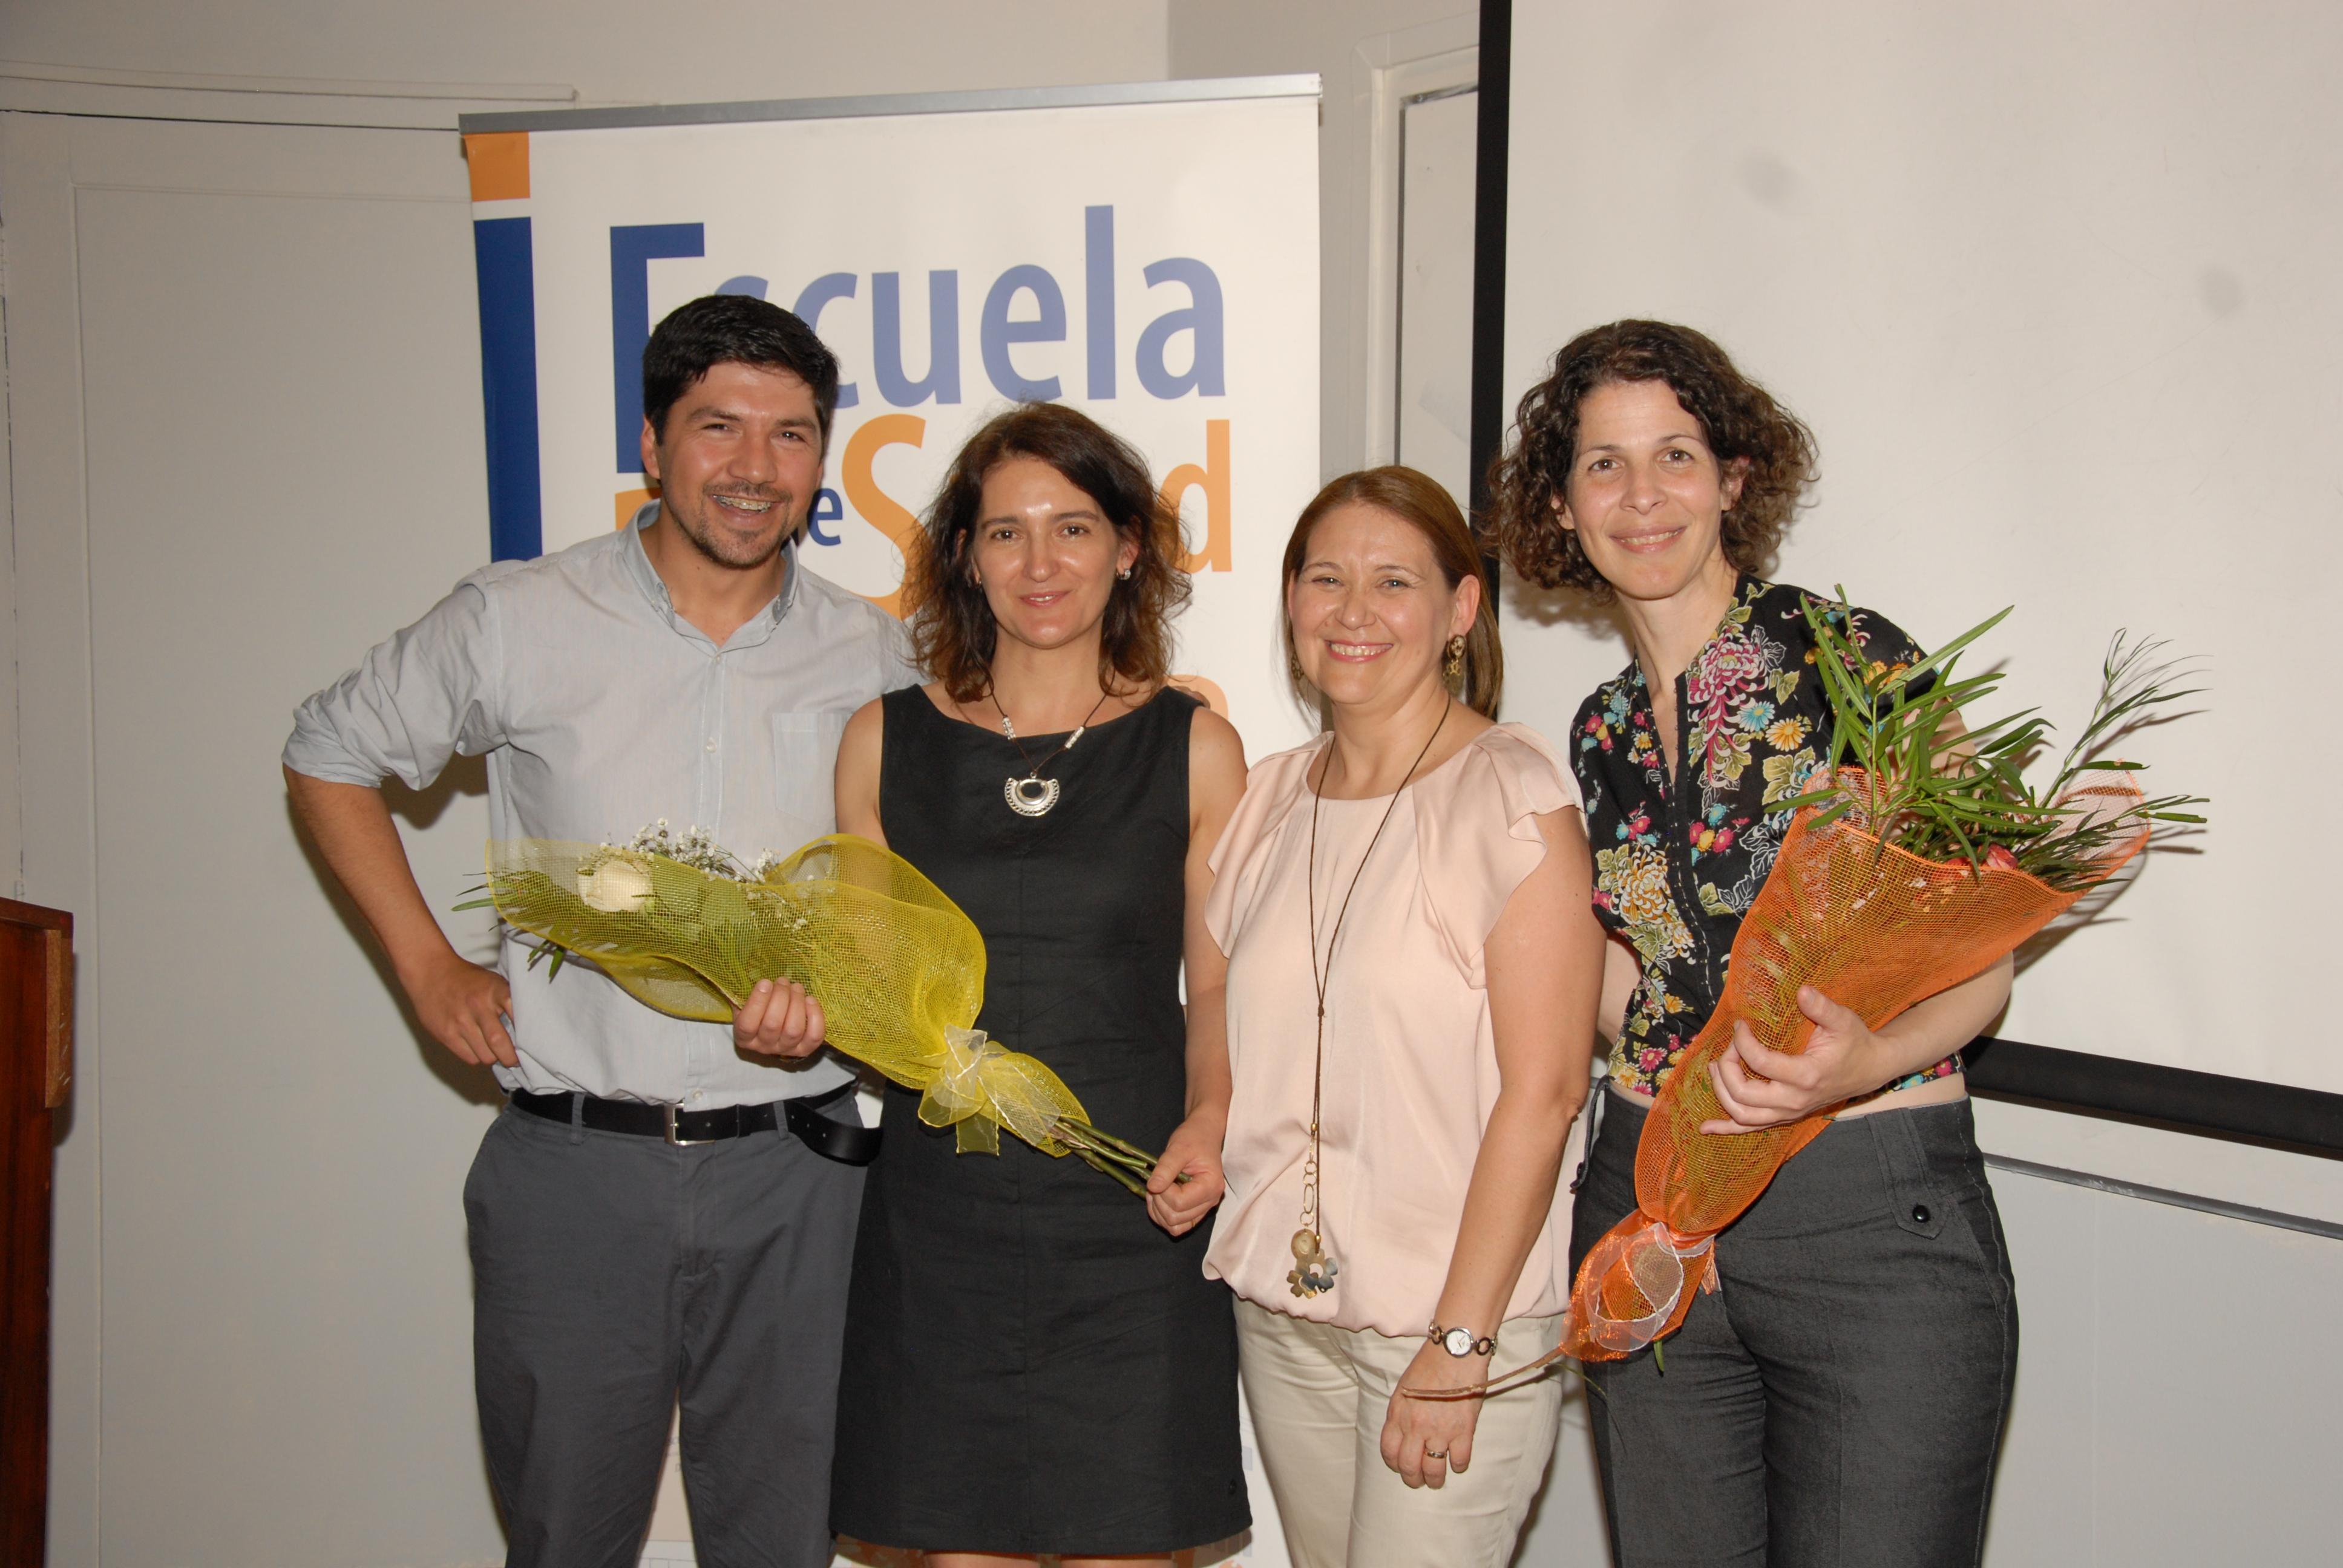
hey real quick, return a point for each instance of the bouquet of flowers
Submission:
(897, 966)
(1922, 860)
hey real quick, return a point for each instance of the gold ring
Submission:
(1435, 1453)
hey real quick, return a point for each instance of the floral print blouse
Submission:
(1678, 861)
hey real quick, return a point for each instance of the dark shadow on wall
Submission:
(1564, 606)
(414, 809)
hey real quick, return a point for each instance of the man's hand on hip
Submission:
(464, 1007)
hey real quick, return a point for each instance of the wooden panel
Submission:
(35, 1057)
(56, 1032)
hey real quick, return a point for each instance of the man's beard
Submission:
(728, 551)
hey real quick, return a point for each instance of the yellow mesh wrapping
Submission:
(1875, 928)
(898, 968)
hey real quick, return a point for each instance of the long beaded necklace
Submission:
(1313, 1271)
(1032, 796)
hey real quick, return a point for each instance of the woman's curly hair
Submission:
(952, 630)
(1745, 426)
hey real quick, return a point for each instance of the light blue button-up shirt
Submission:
(600, 710)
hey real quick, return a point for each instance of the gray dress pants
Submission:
(613, 1273)
(1839, 1402)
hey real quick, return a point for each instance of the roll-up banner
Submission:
(1148, 254)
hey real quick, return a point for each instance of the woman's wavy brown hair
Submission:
(953, 628)
(1742, 422)
(1424, 503)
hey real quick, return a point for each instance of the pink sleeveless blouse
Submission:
(1411, 1065)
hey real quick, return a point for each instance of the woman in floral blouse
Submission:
(1840, 1399)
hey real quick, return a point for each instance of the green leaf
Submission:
(1941, 795)
(1944, 656)
(676, 887)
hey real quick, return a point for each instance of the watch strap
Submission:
(1486, 1345)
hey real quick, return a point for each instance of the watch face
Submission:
(1457, 1341)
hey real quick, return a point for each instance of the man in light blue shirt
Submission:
(644, 1222)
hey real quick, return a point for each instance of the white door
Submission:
(245, 394)
(1433, 391)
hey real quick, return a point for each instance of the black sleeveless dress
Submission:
(1031, 1365)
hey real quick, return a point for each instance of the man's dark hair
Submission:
(697, 337)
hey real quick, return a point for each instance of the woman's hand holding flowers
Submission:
(1760, 1087)
(1187, 1180)
(1424, 1439)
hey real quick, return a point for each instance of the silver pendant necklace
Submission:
(1033, 796)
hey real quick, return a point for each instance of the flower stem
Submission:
(1133, 1183)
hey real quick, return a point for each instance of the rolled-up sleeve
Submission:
(429, 693)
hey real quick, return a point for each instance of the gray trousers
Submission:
(612, 1274)
(1839, 1404)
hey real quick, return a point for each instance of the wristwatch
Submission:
(1460, 1343)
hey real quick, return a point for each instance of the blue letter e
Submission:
(1048, 326)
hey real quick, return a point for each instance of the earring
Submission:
(1293, 664)
(1455, 669)
(1123, 576)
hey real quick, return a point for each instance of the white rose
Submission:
(615, 887)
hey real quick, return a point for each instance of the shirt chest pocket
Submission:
(805, 762)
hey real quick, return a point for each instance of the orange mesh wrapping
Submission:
(1875, 928)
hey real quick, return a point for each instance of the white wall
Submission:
(1976, 248)
(244, 442)
(2054, 286)
(1345, 41)
(611, 51)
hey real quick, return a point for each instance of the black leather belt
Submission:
(846, 1142)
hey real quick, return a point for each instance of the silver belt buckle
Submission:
(682, 1142)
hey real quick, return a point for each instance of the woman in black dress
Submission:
(1034, 1361)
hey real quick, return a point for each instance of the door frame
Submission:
(1392, 88)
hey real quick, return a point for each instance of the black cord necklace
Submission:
(1033, 796)
(1313, 1271)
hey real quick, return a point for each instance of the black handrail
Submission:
(2209, 1104)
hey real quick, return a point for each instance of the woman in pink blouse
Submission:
(1412, 974)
